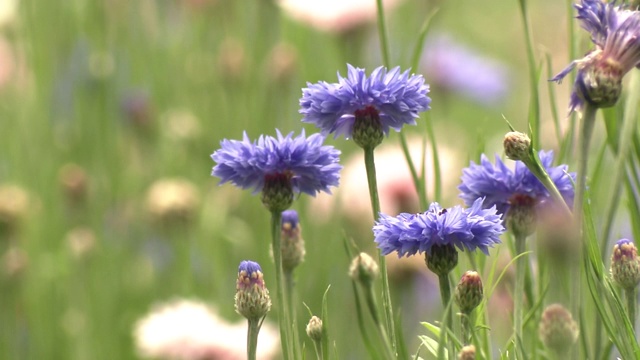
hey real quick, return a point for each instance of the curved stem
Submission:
(375, 205)
(518, 294)
(283, 318)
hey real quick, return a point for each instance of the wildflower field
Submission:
(301, 179)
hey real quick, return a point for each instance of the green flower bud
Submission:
(558, 331)
(468, 293)
(517, 146)
(364, 269)
(625, 264)
(600, 82)
(292, 244)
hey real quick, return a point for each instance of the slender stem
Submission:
(467, 328)
(371, 303)
(417, 181)
(290, 293)
(534, 112)
(632, 296)
(283, 315)
(445, 295)
(518, 294)
(375, 205)
(252, 338)
(382, 34)
(318, 346)
(588, 122)
(541, 174)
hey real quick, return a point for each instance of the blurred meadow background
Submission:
(110, 110)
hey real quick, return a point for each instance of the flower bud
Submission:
(442, 259)
(252, 297)
(625, 265)
(292, 244)
(558, 331)
(314, 328)
(468, 352)
(364, 269)
(521, 217)
(517, 146)
(367, 128)
(468, 292)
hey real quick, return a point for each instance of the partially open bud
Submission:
(442, 259)
(292, 244)
(367, 128)
(314, 328)
(468, 352)
(252, 297)
(558, 331)
(625, 264)
(517, 146)
(364, 269)
(521, 217)
(468, 292)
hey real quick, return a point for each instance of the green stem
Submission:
(541, 174)
(317, 345)
(445, 295)
(290, 293)
(534, 112)
(417, 181)
(375, 205)
(584, 140)
(382, 34)
(283, 315)
(518, 294)
(371, 303)
(467, 328)
(632, 297)
(252, 338)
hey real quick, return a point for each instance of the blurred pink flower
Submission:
(191, 330)
(334, 15)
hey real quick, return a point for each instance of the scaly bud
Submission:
(292, 244)
(468, 292)
(314, 328)
(364, 269)
(517, 146)
(625, 264)
(558, 331)
(252, 297)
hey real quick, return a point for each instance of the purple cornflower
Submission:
(615, 33)
(472, 228)
(278, 167)
(502, 186)
(382, 101)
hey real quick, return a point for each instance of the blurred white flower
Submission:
(8, 9)
(191, 330)
(335, 15)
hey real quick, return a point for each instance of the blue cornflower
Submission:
(615, 32)
(472, 228)
(382, 101)
(502, 186)
(278, 167)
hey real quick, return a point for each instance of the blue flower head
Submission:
(290, 217)
(391, 99)
(500, 186)
(470, 229)
(299, 164)
(615, 32)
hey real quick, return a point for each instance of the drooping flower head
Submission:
(503, 187)
(615, 32)
(365, 108)
(471, 228)
(278, 167)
